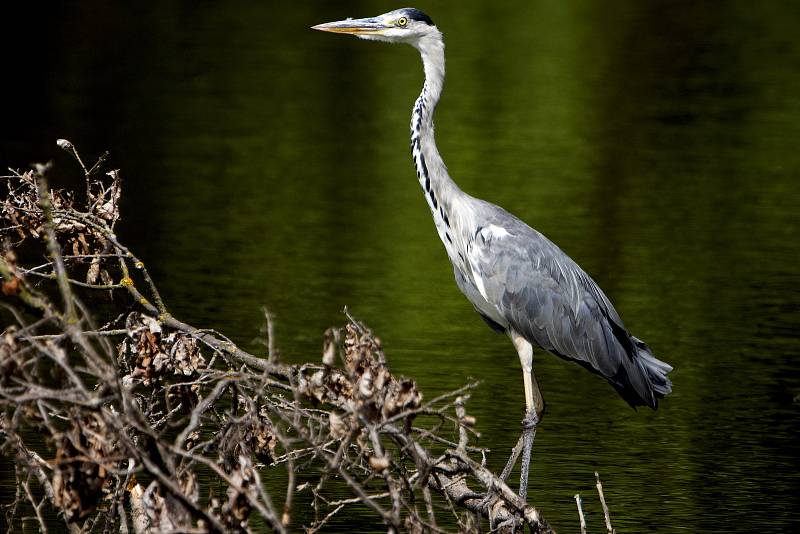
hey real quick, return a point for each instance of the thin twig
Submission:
(153, 403)
(607, 516)
(579, 503)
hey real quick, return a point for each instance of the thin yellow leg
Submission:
(538, 400)
(533, 397)
(527, 377)
(534, 405)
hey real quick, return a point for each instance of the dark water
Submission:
(658, 143)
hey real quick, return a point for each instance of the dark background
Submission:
(655, 142)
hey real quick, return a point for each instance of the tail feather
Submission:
(642, 378)
(655, 370)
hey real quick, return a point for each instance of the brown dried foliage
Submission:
(365, 384)
(78, 480)
(148, 424)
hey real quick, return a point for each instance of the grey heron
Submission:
(519, 282)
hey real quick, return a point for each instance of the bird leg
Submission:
(528, 433)
(512, 460)
(534, 408)
(534, 404)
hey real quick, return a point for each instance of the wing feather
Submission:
(547, 298)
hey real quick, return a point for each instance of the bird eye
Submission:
(402, 21)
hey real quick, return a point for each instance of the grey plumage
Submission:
(517, 279)
(534, 288)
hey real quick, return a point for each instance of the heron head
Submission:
(406, 25)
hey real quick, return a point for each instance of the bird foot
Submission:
(509, 525)
(489, 505)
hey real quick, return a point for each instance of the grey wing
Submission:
(547, 298)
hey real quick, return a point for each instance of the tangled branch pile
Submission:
(134, 420)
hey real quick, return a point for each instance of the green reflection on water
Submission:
(655, 142)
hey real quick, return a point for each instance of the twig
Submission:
(607, 516)
(54, 250)
(200, 409)
(153, 402)
(461, 413)
(578, 503)
(494, 484)
(37, 508)
(270, 335)
(426, 494)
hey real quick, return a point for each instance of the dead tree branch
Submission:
(151, 424)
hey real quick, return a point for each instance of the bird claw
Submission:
(488, 505)
(484, 505)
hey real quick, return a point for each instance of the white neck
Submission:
(439, 189)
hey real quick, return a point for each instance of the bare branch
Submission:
(149, 397)
(606, 515)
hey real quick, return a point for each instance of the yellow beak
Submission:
(353, 26)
